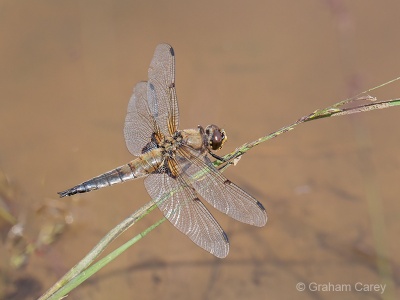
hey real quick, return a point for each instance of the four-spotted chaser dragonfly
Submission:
(175, 163)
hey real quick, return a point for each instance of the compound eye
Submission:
(217, 140)
(216, 137)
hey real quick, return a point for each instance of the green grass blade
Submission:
(99, 248)
(76, 281)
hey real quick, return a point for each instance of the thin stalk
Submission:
(64, 290)
(99, 248)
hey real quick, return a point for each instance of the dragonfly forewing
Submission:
(161, 91)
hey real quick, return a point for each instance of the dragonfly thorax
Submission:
(171, 143)
(212, 138)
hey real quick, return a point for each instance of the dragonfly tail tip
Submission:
(62, 194)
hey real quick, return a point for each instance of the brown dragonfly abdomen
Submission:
(145, 164)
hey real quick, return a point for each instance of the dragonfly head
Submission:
(216, 137)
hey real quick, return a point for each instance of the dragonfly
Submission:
(177, 164)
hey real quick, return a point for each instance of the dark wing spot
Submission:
(171, 50)
(196, 199)
(149, 146)
(227, 182)
(172, 85)
(225, 237)
(260, 205)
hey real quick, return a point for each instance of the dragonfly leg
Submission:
(218, 157)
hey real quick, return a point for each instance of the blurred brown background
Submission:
(330, 187)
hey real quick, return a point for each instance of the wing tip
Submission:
(221, 251)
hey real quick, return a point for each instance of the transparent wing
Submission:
(181, 206)
(139, 122)
(161, 92)
(221, 193)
